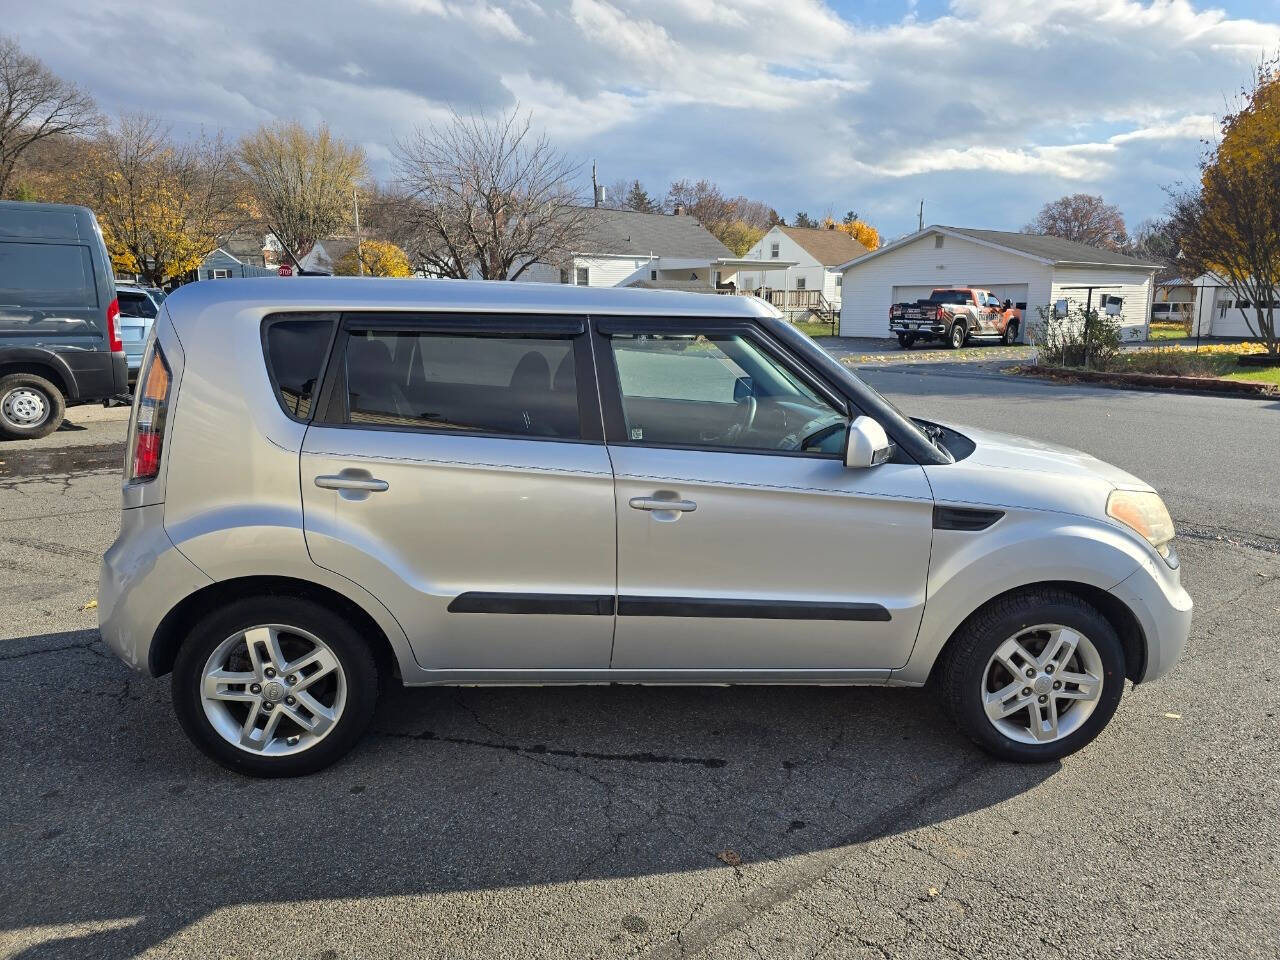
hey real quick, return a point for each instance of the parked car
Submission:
(528, 483)
(59, 336)
(139, 307)
(954, 315)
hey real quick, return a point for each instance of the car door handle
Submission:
(658, 503)
(342, 482)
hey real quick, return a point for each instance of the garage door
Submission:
(910, 294)
(1017, 292)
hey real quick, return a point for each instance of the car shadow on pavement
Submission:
(121, 834)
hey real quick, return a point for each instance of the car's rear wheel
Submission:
(1011, 333)
(1034, 676)
(30, 406)
(959, 333)
(274, 686)
(906, 340)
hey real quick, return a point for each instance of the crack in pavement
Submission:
(541, 749)
(813, 867)
(1236, 538)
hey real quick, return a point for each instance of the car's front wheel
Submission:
(1034, 676)
(1011, 333)
(274, 686)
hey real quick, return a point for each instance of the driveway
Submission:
(664, 822)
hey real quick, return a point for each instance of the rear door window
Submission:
(296, 348)
(462, 382)
(46, 275)
(135, 304)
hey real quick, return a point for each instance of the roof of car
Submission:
(473, 296)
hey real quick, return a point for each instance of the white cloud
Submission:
(991, 108)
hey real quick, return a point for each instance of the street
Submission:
(662, 822)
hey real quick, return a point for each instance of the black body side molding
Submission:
(566, 604)
(969, 519)
(748, 609)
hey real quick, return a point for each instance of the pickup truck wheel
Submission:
(1011, 333)
(959, 334)
(906, 340)
(1034, 676)
(30, 407)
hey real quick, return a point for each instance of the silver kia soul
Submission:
(331, 483)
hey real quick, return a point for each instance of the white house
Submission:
(801, 258)
(1218, 312)
(1033, 271)
(628, 248)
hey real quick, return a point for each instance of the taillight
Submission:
(113, 326)
(152, 405)
(938, 315)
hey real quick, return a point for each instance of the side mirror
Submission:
(743, 388)
(1008, 304)
(866, 444)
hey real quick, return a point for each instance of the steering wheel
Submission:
(744, 425)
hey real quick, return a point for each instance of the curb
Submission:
(1210, 385)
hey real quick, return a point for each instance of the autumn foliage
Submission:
(380, 259)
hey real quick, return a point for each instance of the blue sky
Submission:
(983, 108)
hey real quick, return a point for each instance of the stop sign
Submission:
(285, 270)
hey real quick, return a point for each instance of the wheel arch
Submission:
(40, 363)
(177, 623)
(1123, 620)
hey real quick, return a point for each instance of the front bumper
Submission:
(1156, 596)
(143, 577)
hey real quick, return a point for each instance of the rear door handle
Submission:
(343, 482)
(658, 503)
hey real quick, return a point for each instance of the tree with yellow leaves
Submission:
(162, 205)
(854, 226)
(1230, 225)
(739, 236)
(379, 258)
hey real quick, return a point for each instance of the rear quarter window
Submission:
(296, 347)
(46, 275)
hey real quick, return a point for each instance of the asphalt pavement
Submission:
(663, 822)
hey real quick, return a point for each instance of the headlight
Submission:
(1145, 513)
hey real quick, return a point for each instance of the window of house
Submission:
(799, 283)
(653, 274)
(715, 277)
(937, 241)
(718, 391)
(219, 274)
(584, 277)
(473, 383)
(564, 275)
(839, 280)
(773, 250)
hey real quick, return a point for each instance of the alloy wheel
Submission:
(1042, 684)
(273, 690)
(24, 407)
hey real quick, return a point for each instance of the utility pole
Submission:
(595, 187)
(355, 199)
(921, 227)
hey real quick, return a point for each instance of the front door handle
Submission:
(659, 503)
(346, 482)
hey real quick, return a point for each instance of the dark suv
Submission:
(59, 336)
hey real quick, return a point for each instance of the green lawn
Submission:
(815, 329)
(1168, 331)
(1257, 375)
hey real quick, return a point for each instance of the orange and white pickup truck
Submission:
(954, 314)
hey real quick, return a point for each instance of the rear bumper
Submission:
(1163, 609)
(143, 577)
(919, 327)
(96, 374)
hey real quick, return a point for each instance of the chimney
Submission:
(678, 210)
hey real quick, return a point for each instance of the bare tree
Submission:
(491, 197)
(35, 104)
(302, 182)
(1083, 218)
(163, 204)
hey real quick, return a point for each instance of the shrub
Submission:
(1083, 338)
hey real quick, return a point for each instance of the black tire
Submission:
(1011, 333)
(39, 391)
(347, 645)
(957, 335)
(962, 673)
(906, 340)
